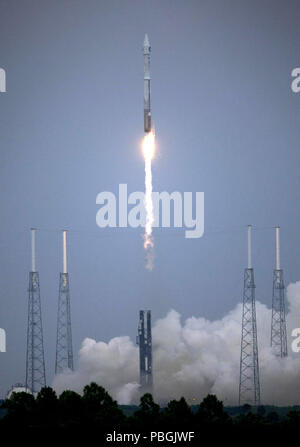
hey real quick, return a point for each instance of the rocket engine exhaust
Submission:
(148, 151)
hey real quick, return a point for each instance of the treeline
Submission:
(95, 409)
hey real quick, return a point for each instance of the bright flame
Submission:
(148, 150)
(149, 145)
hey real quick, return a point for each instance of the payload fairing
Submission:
(147, 103)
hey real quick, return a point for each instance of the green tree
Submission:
(148, 414)
(261, 411)
(47, 406)
(70, 408)
(211, 410)
(178, 410)
(249, 420)
(246, 408)
(293, 419)
(99, 406)
(20, 409)
(272, 417)
(148, 406)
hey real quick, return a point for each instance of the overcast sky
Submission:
(226, 121)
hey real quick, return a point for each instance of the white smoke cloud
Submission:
(113, 365)
(192, 359)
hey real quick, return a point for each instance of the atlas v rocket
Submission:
(147, 103)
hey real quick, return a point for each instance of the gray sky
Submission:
(227, 123)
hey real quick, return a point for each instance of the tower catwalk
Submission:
(35, 359)
(249, 387)
(144, 340)
(64, 349)
(278, 324)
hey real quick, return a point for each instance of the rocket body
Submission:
(147, 102)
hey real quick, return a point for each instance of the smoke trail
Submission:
(191, 359)
(148, 149)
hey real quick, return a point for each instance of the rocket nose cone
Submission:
(146, 41)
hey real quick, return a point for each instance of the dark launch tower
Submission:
(278, 325)
(64, 349)
(249, 387)
(144, 340)
(35, 359)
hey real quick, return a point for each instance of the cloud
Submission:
(191, 359)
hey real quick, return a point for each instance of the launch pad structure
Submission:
(144, 340)
(35, 359)
(64, 346)
(278, 325)
(249, 385)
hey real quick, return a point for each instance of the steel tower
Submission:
(144, 340)
(249, 387)
(35, 359)
(278, 325)
(64, 350)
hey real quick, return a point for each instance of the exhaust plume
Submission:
(148, 150)
(191, 359)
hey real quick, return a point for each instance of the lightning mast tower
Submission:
(278, 325)
(249, 386)
(35, 359)
(144, 340)
(64, 349)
